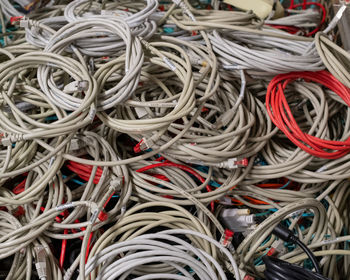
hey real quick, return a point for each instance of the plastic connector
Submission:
(277, 249)
(25, 23)
(5, 141)
(76, 86)
(19, 211)
(238, 220)
(116, 183)
(233, 163)
(271, 252)
(245, 276)
(76, 144)
(40, 264)
(143, 145)
(226, 238)
(16, 20)
(102, 216)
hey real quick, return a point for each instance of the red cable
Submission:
(304, 4)
(289, 29)
(84, 171)
(323, 9)
(88, 248)
(63, 249)
(281, 115)
(85, 167)
(291, 4)
(20, 187)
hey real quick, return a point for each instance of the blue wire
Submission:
(285, 185)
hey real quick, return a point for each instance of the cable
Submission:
(281, 115)
(277, 269)
(288, 236)
(145, 139)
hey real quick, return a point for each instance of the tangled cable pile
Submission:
(173, 140)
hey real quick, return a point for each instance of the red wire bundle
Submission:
(304, 5)
(281, 115)
(84, 171)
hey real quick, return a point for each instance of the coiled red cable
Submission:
(281, 114)
(304, 5)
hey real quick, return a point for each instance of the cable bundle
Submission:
(335, 58)
(282, 117)
(269, 56)
(24, 127)
(277, 269)
(155, 248)
(182, 102)
(173, 140)
(138, 16)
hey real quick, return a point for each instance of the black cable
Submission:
(309, 254)
(288, 236)
(277, 269)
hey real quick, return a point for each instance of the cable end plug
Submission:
(234, 163)
(5, 140)
(102, 216)
(238, 220)
(226, 238)
(284, 233)
(16, 20)
(245, 276)
(143, 145)
(40, 265)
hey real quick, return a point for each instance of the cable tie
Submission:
(92, 114)
(94, 216)
(233, 67)
(322, 168)
(50, 64)
(295, 214)
(91, 65)
(330, 241)
(52, 161)
(169, 63)
(65, 206)
(190, 15)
